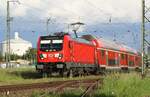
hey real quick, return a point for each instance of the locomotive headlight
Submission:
(57, 55)
(60, 56)
(45, 55)
(42, 56)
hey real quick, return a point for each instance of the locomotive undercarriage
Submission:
(65, 69)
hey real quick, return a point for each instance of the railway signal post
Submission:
(143, 35)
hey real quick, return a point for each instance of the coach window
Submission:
(122, 56)
(102, 53)
(116, 61)
(126, 58)
(131, 63)
(112, 62)
(136, 59)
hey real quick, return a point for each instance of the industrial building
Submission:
(18, 45)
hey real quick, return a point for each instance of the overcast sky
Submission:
(90, 12)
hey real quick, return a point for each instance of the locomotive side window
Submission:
(69, 44)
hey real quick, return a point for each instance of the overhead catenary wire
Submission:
(100, 11)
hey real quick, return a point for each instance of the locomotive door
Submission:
(71, 51)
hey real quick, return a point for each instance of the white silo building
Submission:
(18, 45)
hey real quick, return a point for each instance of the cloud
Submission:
(21, 11)
(88, 11)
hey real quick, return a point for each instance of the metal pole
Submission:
(8, 20)
(47, 22)
(143, 36)
(47, 27)
(8, 37)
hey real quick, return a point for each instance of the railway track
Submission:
(91, 88)
(58, 86)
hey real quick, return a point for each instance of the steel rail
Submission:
(52, 86)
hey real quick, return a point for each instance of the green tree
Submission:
(30, 55)
(14, 57)
(1, 57)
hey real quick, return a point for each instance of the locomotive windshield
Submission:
(51, 45)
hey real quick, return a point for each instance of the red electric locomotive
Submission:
(87, 54)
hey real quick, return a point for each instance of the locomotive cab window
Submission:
(51, 45)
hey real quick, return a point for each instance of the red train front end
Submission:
(50, 53)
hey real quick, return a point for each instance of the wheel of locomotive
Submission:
(80, 72)
(44, 74)
(70, 73)
(49, 72)
(85, 72)
(63, 72)
(96, 71)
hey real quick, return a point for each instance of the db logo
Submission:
(50, 55)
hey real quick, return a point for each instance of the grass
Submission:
(114, 85)
(68, 93)
(28, 75)
(17, 75)
(124, 85)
